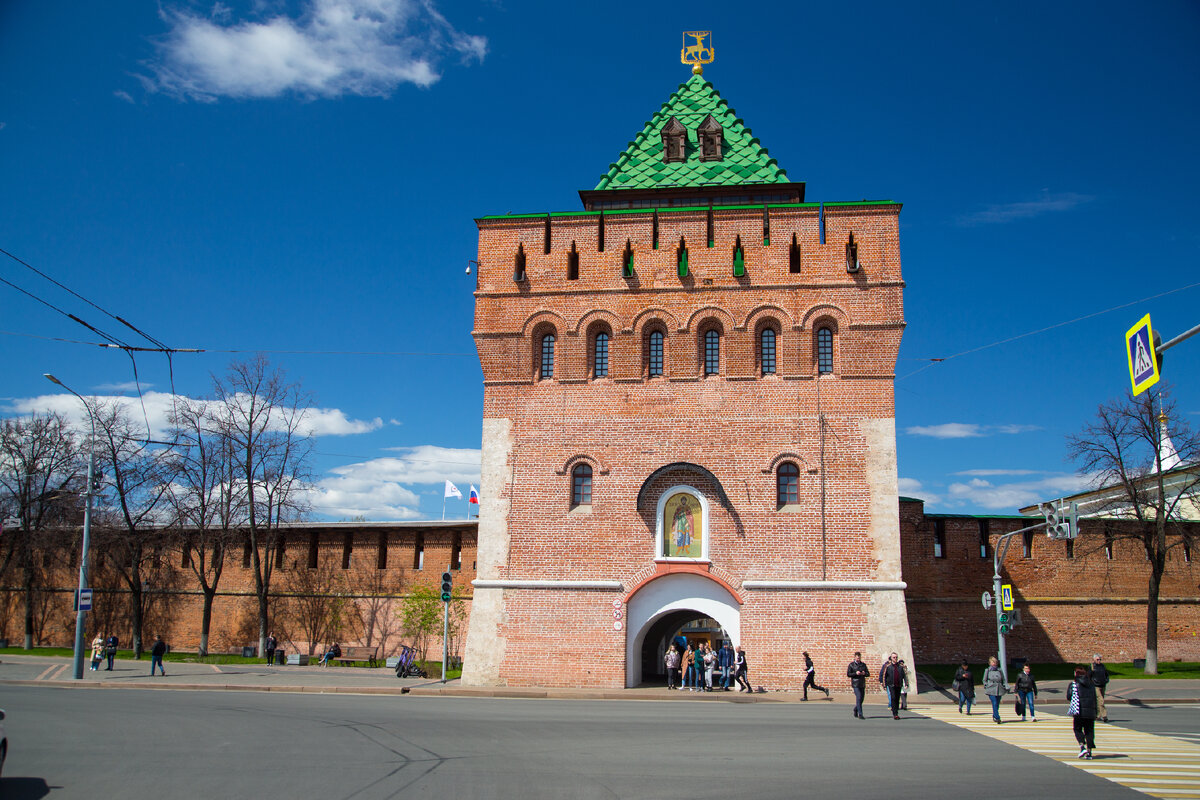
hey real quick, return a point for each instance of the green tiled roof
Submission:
(641, 166)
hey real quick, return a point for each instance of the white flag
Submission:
(452, 490)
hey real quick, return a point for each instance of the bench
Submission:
(353, 654)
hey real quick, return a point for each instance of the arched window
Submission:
(547, 366)
(600, 355)
(787, 484)
(655, 355)
(824, 351)
(766, 351)
(712, 352)
(581, 485)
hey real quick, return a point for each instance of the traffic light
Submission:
(1050, 512)
(1005, 627)
(1073, 521)
(447, 586)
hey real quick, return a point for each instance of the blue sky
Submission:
(301, 178)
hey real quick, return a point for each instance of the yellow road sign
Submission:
(1006, 603)
(1143, 361)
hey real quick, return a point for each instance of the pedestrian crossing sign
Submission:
(1006, 598)
(1143, 361)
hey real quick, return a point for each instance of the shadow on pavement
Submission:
(24, 788)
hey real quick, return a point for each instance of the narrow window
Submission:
(381, 556)
(824, 351)
(654, 230)
(581, 485)
(600, 234)
(787, 485)
(546, 237)
(1108, 546)
(600, 359)
(1070, 548)
(547, 364)
(456, 551)
(519, 264)
(573, 264)
(711, 235)
(187, 557)
(712, 352)
(246, 555)
(656, 354)
(739, 258)
(627, 260)
(766, 351)
(985, 534)
(419, 551)
(347, 548)
(1027, 544)
(1187, 551)
(794, 255)
(280, 549)
(766, 227)
(314, 545)
(852, 254)
(681, 258)
(939, 538)
(218, 555)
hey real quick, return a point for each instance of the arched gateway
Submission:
(659, 607)
(689, 425)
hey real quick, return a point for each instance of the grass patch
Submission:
(944, 673)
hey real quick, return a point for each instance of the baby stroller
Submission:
(407, 667)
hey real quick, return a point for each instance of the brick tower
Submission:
(689, 422)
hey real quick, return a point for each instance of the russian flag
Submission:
(473, 497)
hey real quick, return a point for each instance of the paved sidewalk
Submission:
(20, 670)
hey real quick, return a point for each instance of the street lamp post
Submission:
(87, 531)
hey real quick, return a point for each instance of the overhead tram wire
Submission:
(999, 342)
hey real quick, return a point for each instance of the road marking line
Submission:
(46, 672)
(1155, 764)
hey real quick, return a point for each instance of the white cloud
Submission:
(127, 386)
(987, 473)
(333, 47)
(380, 488)
(158, 406)
(1009, 497)
(911, 487)
(1009, 212)
(120, 95)
(966, 430)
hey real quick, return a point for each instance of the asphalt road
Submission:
(139, 743)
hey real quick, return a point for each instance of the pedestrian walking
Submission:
(727, 661)
(1081, 707)
(892, 678)
(1099, 676)
(743, 671)
(857, 673)
(270, 645)
(97, 652)
(964, 684)
(710, 664)
(156, 656)
(904, 688)
(672, 663)
(110, 650)
(1026, 688)
(810, 676)
(993, 686)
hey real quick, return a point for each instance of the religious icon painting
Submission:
(683, 527)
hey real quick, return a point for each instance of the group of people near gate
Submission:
(706, 669)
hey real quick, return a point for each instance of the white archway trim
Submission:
(871, 586)
(658, 523)
(480, 583)
(676, 592)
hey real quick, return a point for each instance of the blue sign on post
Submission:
(83, 599)
(1143, 362)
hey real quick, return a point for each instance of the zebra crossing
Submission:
(1160, 766)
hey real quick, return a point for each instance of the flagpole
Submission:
(443, 506)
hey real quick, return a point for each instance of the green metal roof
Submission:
(641, 166)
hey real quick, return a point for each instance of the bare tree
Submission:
(131, 514)
(375, 607)
(40, 477)
(207, 501)
(263, 418)
(1141, 498)
(317, 608)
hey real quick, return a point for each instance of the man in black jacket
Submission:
(892, 678)
(857, 673)
(1099, 675)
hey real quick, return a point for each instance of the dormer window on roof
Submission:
(674, 137)
(711, 138)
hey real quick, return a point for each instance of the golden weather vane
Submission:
(698, 52)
